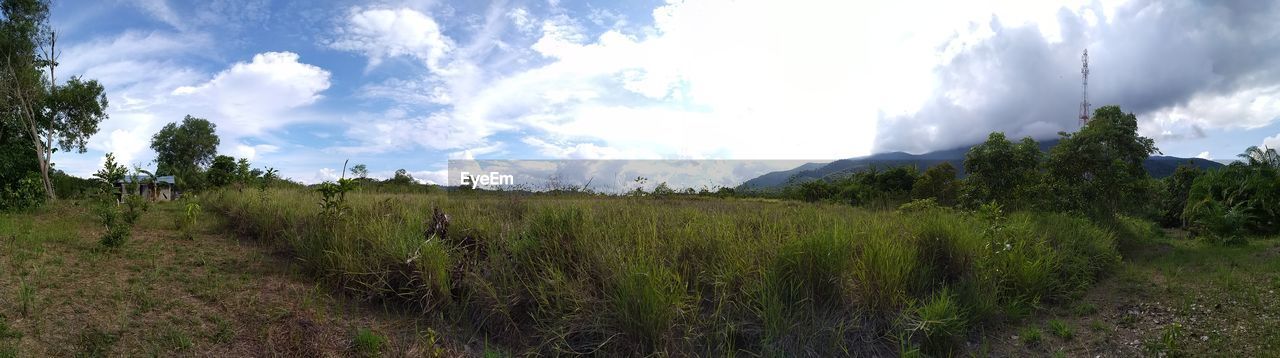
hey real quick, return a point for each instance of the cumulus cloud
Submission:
(380, 34)
(147, 88)
(1272, 141)
(1203, 155)
(250, 97)
(1181, 66)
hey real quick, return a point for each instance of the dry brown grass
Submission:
(163, 295)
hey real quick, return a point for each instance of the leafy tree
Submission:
(1176, 189)
(1000, 171)
(938, 182)
(184, 149)
(1098, 170)
(222, 171)
(402, 177)
(53, 116)
(360, 171)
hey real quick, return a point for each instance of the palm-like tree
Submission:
(1264, 156)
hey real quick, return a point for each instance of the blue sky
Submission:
(304, 85)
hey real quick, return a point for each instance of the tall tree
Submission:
(53, 116)
(1098, 170)
(184, 149)
(1000, 171)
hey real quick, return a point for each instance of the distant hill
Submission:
(1157, 166)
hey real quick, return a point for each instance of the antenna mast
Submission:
(1084, 88)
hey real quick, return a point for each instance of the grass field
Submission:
(682, 276)
(269, 273)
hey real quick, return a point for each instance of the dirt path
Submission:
(1177, 297)
(62, 294)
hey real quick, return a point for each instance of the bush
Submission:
(25, 194)
(1234, 201)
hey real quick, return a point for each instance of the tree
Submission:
(1176, 189)
(938, 182)
(1098, 170)
(111, 171)
(222, 171)
(244, 172)
(183, 150)
(53, 116)
(1255, 156)
(402, 177)
(360, 171)
(1000, 171)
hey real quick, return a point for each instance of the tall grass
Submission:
(583, 275)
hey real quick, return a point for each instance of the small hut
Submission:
(159, 189)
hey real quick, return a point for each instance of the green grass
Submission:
(1031, 336)
(605, 275)
(367, 343)
(1061, 329)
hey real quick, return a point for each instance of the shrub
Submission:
(26, 193)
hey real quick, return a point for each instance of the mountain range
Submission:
(1157, 166)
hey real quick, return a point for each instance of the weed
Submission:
(1031, 336)
(368, 344)
(1084, 309)
(1061, 329)
(1168, 343)
(26, 296)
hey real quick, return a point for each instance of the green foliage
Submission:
(1098, 170)
(1234, 201)
(24, 194)
(52, 115)
(222, 172)
(938, 183)
(1176, 189)
(1001, 172)
(1261, 157)
(183, 149)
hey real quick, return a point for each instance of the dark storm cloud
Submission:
(1150, 56)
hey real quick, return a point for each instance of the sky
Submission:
(303, 86)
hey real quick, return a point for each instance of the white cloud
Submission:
(1245, 109)
(1203, 155)
(250, 98)
(148, 88)
(1272, 142)
(384, 33)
